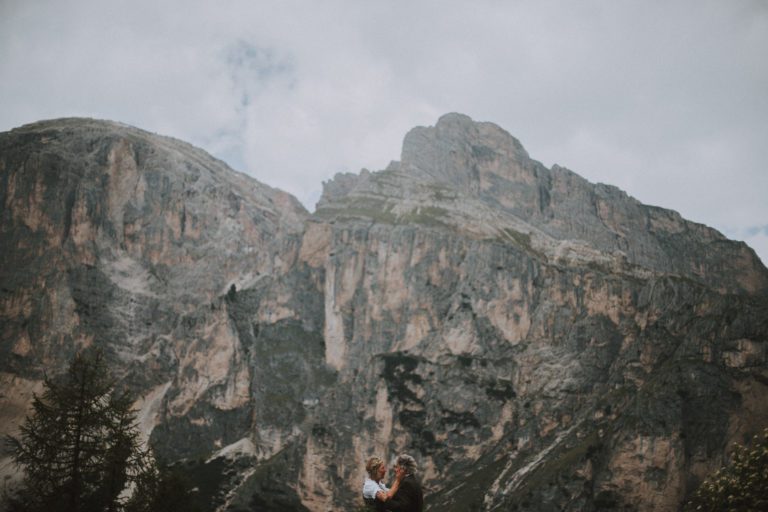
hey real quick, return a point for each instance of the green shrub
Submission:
(741, 486)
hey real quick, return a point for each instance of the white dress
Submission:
(371, 487)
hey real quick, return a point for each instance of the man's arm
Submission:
(404, 500)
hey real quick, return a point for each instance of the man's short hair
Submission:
(407, 462)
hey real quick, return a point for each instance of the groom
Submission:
(409, 497)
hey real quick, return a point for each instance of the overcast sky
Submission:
(668, 100)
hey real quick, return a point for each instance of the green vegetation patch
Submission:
(382, 211)
(378, 210)
(741, 485)
(521, 239)
(427, 216)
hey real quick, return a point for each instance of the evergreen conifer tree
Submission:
(80, 448)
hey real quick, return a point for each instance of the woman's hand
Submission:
(399, 475)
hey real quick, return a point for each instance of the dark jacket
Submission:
(408, 497)
(376, 505)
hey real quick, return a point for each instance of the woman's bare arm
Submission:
(385, 496)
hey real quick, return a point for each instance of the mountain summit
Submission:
(478, 179)
(534, 340)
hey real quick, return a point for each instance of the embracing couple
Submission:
(405, 494)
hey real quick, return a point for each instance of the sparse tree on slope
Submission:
(79, 449)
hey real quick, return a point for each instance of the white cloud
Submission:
(665, 100)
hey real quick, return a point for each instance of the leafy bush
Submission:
(741, 486)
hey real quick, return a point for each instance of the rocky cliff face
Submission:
(116, 237)
(536, 341)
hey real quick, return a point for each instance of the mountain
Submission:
(536, 341)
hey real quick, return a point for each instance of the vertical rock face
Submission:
(535, 341)
(115, 237)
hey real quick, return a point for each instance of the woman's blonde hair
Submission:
(372, 465)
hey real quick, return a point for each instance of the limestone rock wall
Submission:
(537, 342)
(522, 382)
(115, 237)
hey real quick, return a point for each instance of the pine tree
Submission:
(80, 448)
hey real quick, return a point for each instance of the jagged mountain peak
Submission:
(449, 154)
(477, 179)
(451, 150)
